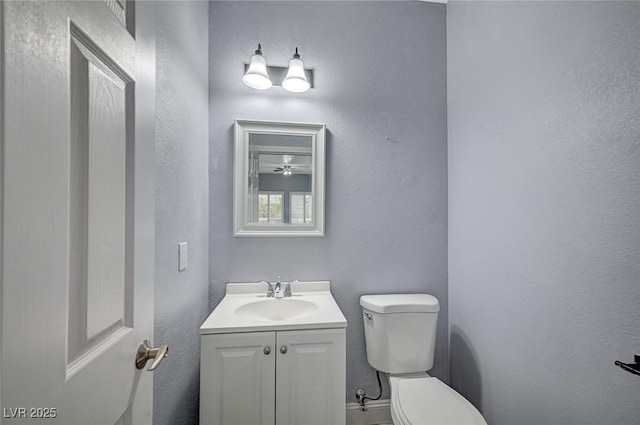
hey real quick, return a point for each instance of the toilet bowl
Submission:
(422, 399)
(400, 332)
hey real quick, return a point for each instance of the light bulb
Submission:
(257, 76)
(296, 79)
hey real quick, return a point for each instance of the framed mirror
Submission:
(279, 179)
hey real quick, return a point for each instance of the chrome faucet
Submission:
(279, 289)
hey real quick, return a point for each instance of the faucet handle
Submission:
(287, 289)
(269, 288)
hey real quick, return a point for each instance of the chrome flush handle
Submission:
(146, 352)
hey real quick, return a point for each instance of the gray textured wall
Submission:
(380, 71)
(544, 195)
(182, 205)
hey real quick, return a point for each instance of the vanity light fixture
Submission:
(257, 76)
(296, 80)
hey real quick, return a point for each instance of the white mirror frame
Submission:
(242, 228)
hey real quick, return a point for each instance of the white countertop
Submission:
(224, 318)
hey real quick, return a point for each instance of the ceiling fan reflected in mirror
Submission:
(287, 170)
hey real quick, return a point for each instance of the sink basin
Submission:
(246, 308)
(273, 309)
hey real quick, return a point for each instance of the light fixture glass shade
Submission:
(257, 76)
(296, 80)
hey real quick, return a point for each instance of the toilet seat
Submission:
(428, 401)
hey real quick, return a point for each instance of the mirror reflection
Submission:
(280, 179)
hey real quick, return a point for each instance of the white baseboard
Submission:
(378, 413)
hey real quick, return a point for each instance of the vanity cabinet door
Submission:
(237, 379)
(311, 377)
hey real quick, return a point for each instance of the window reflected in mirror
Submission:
(301, 208)
(270, 207)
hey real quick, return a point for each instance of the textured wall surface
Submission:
(182, 205)
(544, 196)
(379, 72)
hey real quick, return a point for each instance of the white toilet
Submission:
(400, 332)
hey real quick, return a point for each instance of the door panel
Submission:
(74, 216)
(98, 282)
(237, 379)
(310, 377)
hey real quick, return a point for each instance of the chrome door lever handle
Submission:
(146, 352)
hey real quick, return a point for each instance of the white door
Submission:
(77, 212)
(310, 377)
(237, 379)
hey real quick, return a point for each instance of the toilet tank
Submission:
(400, 331)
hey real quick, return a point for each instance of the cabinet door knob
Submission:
(267, 350)
(283, 349)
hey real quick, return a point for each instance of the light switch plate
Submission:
(182, 256)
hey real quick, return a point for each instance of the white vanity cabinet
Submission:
(292, 377)
(274, 360)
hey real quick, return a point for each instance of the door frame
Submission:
(144, 188)
(2, 127)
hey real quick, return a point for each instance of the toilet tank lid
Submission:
(400, 303)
